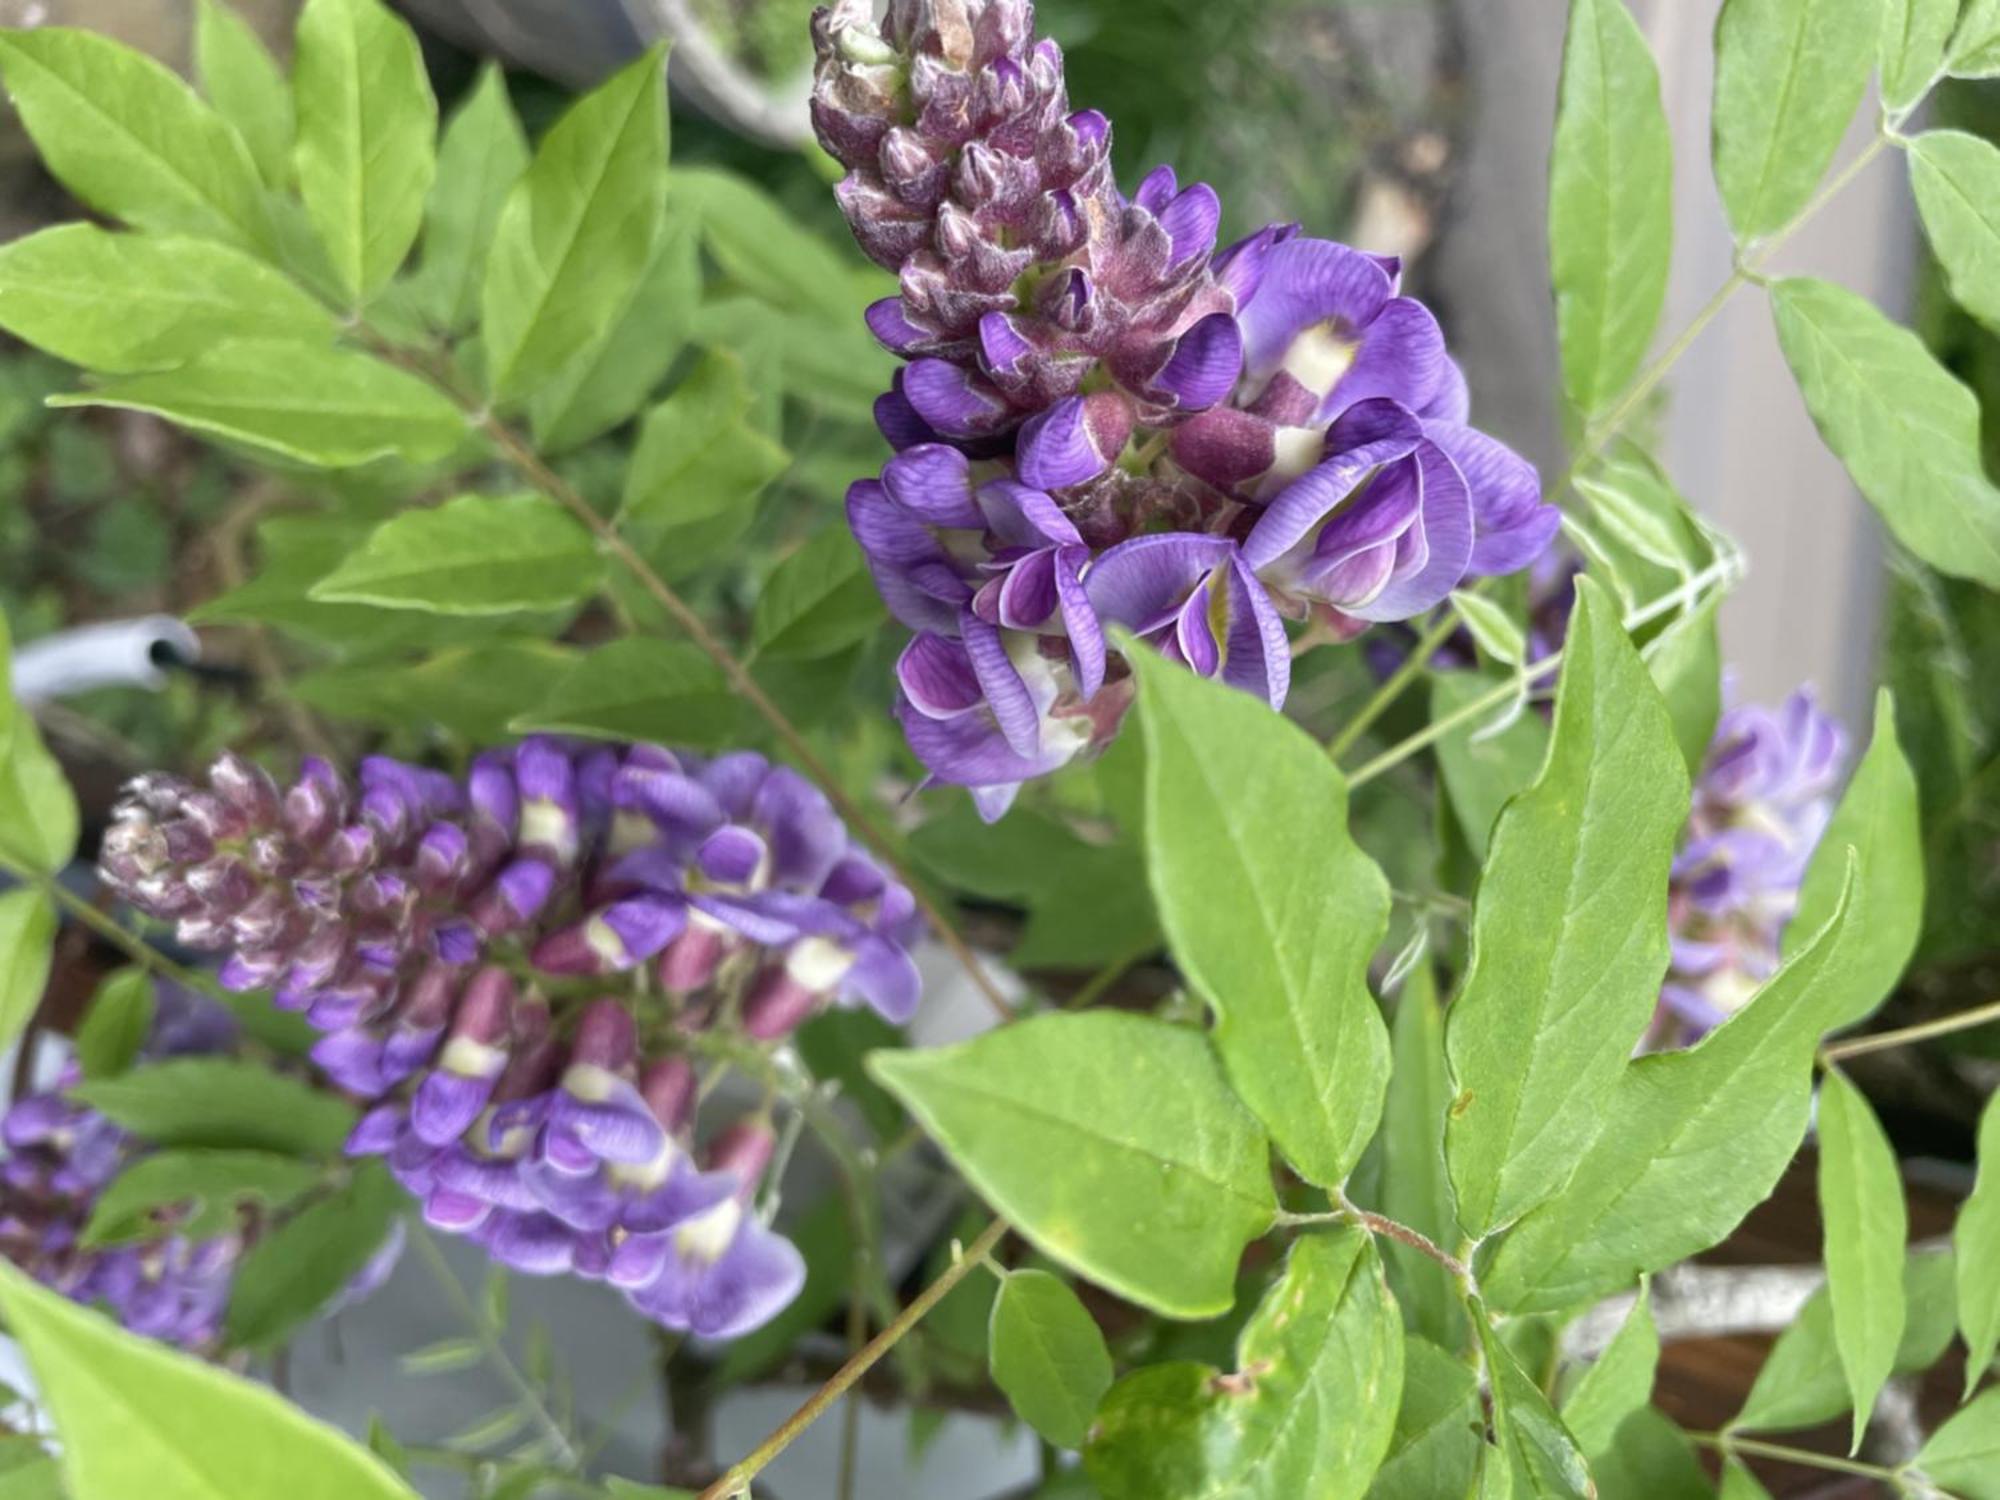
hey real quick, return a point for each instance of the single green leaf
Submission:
(1539, 1448)
(1701, 1137)
(213, 1101)
(762, 248)
(1619, 1383)
(27, 946)
(1963, 1456)
(611, 380)
(1788, 74)
(242, 80)
(367, 134)
(137, 1418)
(1310, 1411)
(1611, 211)
(641, 689)
(1685, 660)
(117, 1025)
(35, 1476)
(1415, 1190)
(121, 303)
(473, 555)
(1482, 772)
(312, 1258)
(1569, 932)
(699, 468)
(1914, 36)
(471, 692)
(818, 601)
(1976, 1238)
(1632, 518)
(1878, 818)
(578, 230)
(1907, 430)
(1492, 627)
(1975, 47)
(1738, 1483)
(1867, 1229)
(482, 155)
(1802, 1384)
(38, 812)
(332, 408)
(1649, 1458)
(208, 1185)
(130, 139)
(1956, 178)
(1048, 1355)
(1435, 1449)
(1271, 909)
(1111, 1141)
(446, 1357)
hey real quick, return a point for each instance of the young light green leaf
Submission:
(762, 248)
(242, 80)
(1650, 1458)
(1435, 1448)
(1702, 1137)
(1685, 660)
(1482, 772)
(1619, 1383)
(1491, 626)
(38, 812)
(641, 689)
(117, 1024)
(1271, 909)
(122, 303)
(1878, 818)
(208, 1184)
(367, 137)
(1976, 1238)
(1914, 36)
(332, 408)
(699, 467)
(1546, 1461)
(314, 1256)
(1975, 47)
(1907, 430)
(578, 230)
(211, 1101)
(1147, 1177)
(1611, 212)
(1415, 1190)
(130, 139)
(137, 1418)
(1867, 1229)
(1802, 1383)
(27, 945)
(612, 379)
(1956, 178)
(483, 154)
(1788, 74)
(474, 555)
(1310, 1411)
(1048, 1355)
(1963, 1456)
(1569, 932)
(818, 601)
(446, 1357)
(1631, 522)
(1738, 1483)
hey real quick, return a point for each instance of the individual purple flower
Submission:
(1763, 799)
(410, 919)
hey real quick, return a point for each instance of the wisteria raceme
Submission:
(461, 946)
(61, 1156)
(1763, 799)
(1107, 421)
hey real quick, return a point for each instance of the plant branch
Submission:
(736, 1483)
(1388, 1228)
(1732, 1446)
(1883, 1041)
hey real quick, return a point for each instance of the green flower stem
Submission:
(1392, 689)
(1731, 1446)
(1883, 1041)
(735, 1485)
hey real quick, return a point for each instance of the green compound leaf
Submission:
(1111, 1141)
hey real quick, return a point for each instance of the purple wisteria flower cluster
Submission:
(1105, 420)
(455, 943)
(62, 1156)
(1763, 799)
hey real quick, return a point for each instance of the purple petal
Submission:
(732, 855)
(1022, 516)
(1308, 282)
(1512, 527)
(1086, 635)
(1191, 221)
(1205, 364)
(937, 676)
(1444, 528)
(893, 329)
(911, 571)
(1259, 654)
(1013, 706)
(954, 402)
(1055, 448)
(1028, 594)
(933, 482)
(533, 1244)
(1401, 357)
(1142, 583)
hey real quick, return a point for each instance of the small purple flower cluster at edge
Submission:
(1105, 420)
(453, 942)
(62, 1156)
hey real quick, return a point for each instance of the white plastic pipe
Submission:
(117, 653)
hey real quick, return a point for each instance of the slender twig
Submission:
(227, 546)
(1392, 689)
(495, 1351)
(1099, 984)
(736, 1483)
(1388, 1228)
(1883, 1041)
(1733, 1446)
